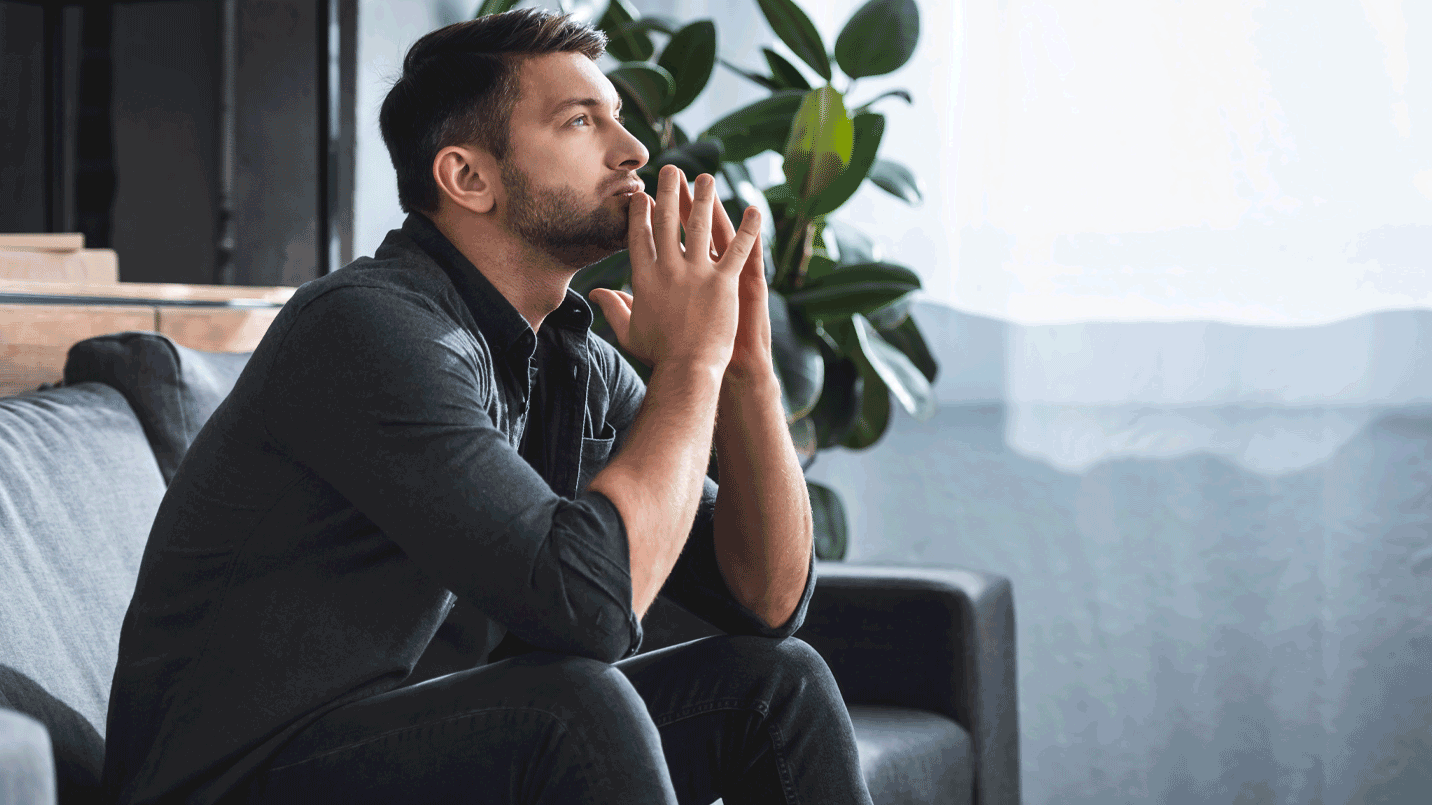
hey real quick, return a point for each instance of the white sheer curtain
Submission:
(1179, 262)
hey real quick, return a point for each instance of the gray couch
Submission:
(924, 656)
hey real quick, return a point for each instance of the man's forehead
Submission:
(550, 81)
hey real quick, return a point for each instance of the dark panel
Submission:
(277, 136)
(345, 131)
(91, 176)
(338, 43)
(22, 119)
(166, 139)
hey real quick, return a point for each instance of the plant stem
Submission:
(800, 234)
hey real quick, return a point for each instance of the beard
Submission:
(555, 221)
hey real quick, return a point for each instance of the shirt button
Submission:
(575, 372)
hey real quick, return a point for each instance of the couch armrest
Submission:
(27, 765)
(931, 638)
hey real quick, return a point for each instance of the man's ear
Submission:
(467, 177)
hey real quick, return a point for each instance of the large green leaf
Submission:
(650, 85)
(494, 7)
(651, 22)
(907, 338)
(903, 94)
(874, 415)
(785, 73)
(879, 38)
(762, 126)
(905, 381)
(890, 316)
(832, 535)
(702, 156)
(897, 180)
(752, 76)
(799, 364)
(818, 266)
(795, 29)
(853, 289)
(822, 139)
(834, 413)
(623, 43)
(690, 57)
(869, 128)
(636, 121)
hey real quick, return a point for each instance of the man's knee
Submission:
(787, 663)
(585, 694)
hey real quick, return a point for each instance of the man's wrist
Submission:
(744, 385)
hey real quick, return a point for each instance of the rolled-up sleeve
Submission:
(387, 401)
(696, 583)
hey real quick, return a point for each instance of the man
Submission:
(406, 560)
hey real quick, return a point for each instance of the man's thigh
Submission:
(537, 728)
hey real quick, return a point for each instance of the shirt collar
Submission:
(502, 325)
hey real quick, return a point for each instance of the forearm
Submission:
(763, 514)
(655, 481)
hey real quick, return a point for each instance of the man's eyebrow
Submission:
(589, 103)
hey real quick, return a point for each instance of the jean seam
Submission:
(410, 728)
(718, 704)
(787, 781)
(777, 742)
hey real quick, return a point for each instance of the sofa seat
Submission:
(912, 757)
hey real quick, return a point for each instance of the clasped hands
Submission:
(702, 301)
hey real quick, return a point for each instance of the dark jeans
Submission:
(747, 719)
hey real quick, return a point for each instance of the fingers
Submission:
(687, 200)
(754, 269)
(722, 229)
(665, 218)
(743, 242)
(698, 225)
(639, 236)
(616, 306)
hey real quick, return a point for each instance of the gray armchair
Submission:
(925, 660)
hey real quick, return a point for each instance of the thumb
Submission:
(616, 309)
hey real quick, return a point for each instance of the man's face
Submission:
(571, 165)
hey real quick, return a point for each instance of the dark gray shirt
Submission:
(395, 489)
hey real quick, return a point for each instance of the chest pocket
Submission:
(595, 455)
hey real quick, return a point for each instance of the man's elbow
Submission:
(607, 636)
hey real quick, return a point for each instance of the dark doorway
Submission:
(206, 141)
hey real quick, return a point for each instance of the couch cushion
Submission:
(913, 757)
(27, 768)
(79, 489)
(173, 389)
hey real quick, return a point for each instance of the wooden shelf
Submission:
(40, 321)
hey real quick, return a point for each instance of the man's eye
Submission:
(621, 119)
(579, 119)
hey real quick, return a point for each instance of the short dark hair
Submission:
(459, 87)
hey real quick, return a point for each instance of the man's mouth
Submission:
(626, 189)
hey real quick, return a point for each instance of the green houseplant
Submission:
(843, 340)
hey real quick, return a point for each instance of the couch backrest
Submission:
(79, 488)
(173, 389)
(83, 468)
